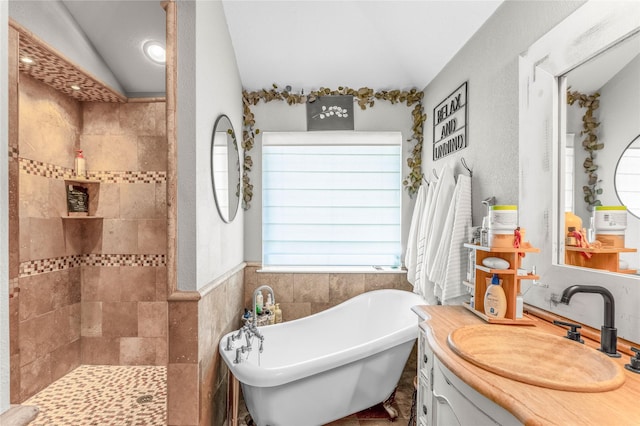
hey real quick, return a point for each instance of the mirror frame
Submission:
(587, 32)
(615, 174)
(227, 217)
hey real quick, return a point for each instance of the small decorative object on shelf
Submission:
(77, 200)
(82, 198)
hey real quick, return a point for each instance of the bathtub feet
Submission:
(387, 404)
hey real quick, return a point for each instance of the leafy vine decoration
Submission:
(365, 98)
(590, 143)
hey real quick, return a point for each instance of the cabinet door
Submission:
(425, 373)
(456, 403)
(424, 407)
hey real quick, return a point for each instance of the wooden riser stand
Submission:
(607, 259)
(510, 281)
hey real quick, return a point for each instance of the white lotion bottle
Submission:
(80, 165)
(495, 301)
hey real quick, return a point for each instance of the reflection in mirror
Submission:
(225, 168)
(627, 178)
(546, 70)
(602, 110)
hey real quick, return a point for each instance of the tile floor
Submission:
(104, 395)
(133, 395)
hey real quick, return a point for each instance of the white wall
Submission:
(489, 62)
(4, 212)
(208, 85)
(278, 116)
(51, 21)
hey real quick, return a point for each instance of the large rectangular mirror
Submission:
(599, 104)
(594, 50)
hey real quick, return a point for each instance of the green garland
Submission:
(590, 143)
(365, 97)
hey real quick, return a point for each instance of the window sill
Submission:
(333, 269)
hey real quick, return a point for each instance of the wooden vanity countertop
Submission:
(532, 405)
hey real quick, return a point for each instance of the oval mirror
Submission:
(225, 168)
(627, 177)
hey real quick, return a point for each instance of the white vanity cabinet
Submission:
(424, 402)
(444, 399)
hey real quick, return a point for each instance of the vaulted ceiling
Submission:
(306, 44)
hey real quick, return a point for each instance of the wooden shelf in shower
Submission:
(80, 217)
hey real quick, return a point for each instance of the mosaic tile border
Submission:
(48, 170)
(14, 287)
(123, 260)
(41, 266)
(52, 69)
(13, 152)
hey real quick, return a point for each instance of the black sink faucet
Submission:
(609, 334)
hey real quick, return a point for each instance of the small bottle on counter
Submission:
(278, 314)
(484, 232)
(519, 306)
(259, 302)
(269, 304)
(495, 301)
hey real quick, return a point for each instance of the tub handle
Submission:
(239, 353)
(230, 340)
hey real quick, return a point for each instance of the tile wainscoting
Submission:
(303, 294)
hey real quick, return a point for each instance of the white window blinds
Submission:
(331, 199)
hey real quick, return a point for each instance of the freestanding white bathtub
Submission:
(326, 366)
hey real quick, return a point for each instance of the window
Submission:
(331, 199)
(569, 181)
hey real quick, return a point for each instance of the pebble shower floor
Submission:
(104, 395)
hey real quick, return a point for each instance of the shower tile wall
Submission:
(48, 311)
(300, 295)
(124, 292)
(87, 291)
(14, 235)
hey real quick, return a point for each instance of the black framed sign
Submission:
(450, 124)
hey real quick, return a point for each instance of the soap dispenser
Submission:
(80, 168)
(495, 300)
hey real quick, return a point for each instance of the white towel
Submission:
(441, 203)
(412, 241)
(450, 267)
(420, 284)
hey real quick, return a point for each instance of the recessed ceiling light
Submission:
(26, 60)
(155, 51)
(75, 87)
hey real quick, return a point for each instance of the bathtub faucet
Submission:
(255, 299)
